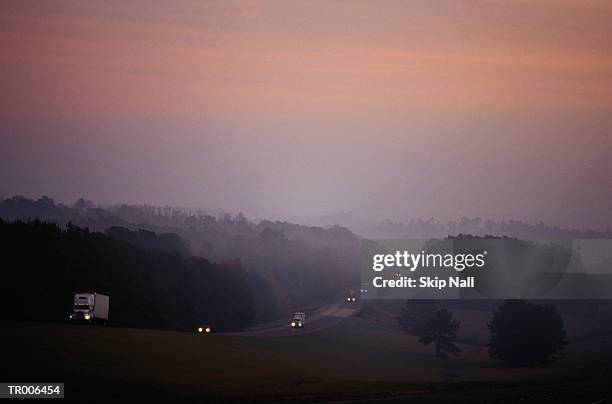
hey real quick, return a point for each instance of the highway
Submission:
(324, 317)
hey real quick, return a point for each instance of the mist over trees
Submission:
(287, 265)
(476, 226)
(291, 265)
(97, 218)
(44, 265)
(150, 240)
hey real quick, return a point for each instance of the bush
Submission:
(525, 334)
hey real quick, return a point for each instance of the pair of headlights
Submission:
(86, 316)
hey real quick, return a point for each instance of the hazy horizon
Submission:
(389, 110)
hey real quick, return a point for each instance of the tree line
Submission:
(289, 265)
(432, 228)
(44, 264)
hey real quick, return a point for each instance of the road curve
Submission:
(324, 317)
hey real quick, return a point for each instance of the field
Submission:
(354, 360)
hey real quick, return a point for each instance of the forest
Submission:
(43, 265)
(285, 266)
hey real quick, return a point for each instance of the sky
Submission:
(292, 109)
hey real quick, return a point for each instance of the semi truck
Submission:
(91, 308)
(298, 320)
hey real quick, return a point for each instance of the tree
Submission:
(441, 329)
(525, 334)
(414, 314)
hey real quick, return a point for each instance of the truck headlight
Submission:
(87, 316)
(293, 324)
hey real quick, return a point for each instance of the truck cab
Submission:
(91, 308)
(351, 296)
(298, 320)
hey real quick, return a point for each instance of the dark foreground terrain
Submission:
(352, 361)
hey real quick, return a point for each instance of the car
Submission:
(204, 329)
(351, 298)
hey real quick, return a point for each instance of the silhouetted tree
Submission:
(414, 314)
(524, 333)
(441, 329)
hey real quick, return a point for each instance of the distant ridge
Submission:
(341, 218)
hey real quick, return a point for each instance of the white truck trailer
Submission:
(90, 307)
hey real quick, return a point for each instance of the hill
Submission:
(354, 360)
(43, 265)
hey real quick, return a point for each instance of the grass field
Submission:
(355, 360)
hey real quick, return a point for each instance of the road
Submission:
(325, 317)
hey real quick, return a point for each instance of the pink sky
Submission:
(387, 109)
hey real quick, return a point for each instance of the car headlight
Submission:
(200, 329)
(87, 316)
(208, 329)
(292, 324)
